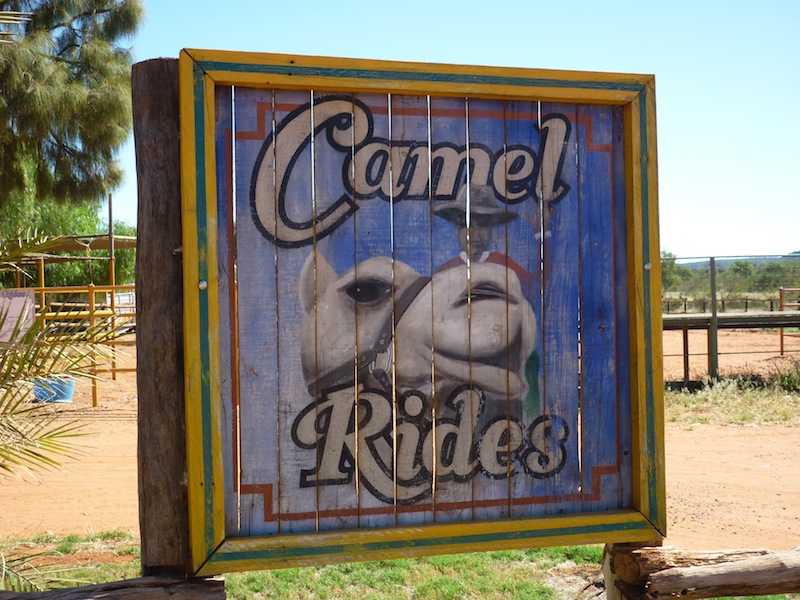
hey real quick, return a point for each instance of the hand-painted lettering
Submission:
(397, 466)
(374, 167)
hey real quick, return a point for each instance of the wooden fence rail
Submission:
(74, 308)
(712, 322)
(786, 303)
(730, 304)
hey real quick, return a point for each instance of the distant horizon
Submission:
(727, 125)
(734, 256)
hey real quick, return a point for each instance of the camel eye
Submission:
(368, 291)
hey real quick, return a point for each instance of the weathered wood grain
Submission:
(524, 243)
(337, 504)
(452, 499)
(560, 312)
(525, 236)
(302, 319)
(774, 573)
(163, 503)
(634, 565)
(298, 505)
(486, 131)
(669, 572)
(258, 342)
(412, 247)
(597, 307)
(228, 315)
(373, 238)
(622, 315)
(343, 75)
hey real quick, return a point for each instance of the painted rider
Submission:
(475, 238)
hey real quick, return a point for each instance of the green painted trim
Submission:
(461, 540)
(202, 275)
(381, 75)
(652, 471)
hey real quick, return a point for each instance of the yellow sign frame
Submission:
(201, 72)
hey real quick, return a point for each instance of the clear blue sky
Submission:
(727, 84)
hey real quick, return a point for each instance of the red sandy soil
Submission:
(727, 486)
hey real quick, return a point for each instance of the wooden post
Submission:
(163, 504)
(633, 573)
(781, 308)
(686, 356)
(41, 290)
(617, 573)
(112, 281)
(92, 321)
(713, 347)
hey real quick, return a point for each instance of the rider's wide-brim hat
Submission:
(484, 209)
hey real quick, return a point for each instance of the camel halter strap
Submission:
(368, 358)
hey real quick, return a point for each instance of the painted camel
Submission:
(478, 330)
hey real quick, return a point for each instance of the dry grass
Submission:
(744, 399)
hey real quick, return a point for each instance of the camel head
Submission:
(478, 330)
(347, 316)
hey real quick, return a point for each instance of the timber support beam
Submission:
(653, 573)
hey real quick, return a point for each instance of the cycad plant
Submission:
(34, 435)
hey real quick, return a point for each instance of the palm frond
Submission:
(33, 435)
(27, 246)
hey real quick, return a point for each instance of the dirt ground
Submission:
(727, 487)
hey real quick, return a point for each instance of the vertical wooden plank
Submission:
(413, 345)
(490, 316)
(599, 464)
(374, 320)
(560, 311)
(454, 404)
(299, 452)
(335, 331)
(163, 503)
(227, 304)
(524, 246)
(622, 318)
(259, 344)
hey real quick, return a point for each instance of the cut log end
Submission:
(668, 572)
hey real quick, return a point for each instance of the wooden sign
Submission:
(422, 309)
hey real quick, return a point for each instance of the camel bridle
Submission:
(374, 365)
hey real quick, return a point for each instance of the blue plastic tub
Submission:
(54, 389)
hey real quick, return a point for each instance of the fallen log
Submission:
(773, 573)
(668, 572)
(144, 588)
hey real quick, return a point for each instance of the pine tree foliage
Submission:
(65, 106)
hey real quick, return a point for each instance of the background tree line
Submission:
(756, 277)
(28, 215)
(65, 111)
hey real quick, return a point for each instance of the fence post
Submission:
(686, 356)
(781, 309)
(713, 355)
(163, 504)
(92, 321)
